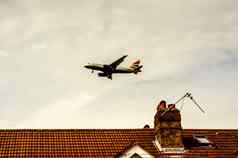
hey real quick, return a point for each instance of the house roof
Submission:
(107, 143)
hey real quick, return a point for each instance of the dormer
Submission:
(202, 141)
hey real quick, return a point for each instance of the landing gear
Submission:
(109, 76)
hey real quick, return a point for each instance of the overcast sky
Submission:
(187, 45)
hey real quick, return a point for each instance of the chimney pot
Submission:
(161, 106)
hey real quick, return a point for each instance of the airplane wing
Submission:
(118, 62)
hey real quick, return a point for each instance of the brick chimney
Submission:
(168, 129)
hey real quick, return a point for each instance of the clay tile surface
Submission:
(106, 143)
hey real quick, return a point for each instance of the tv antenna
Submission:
(188, 95)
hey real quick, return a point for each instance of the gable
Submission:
(135, 156)
(136, 152)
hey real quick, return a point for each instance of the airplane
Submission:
(108, 70)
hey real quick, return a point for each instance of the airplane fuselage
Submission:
(108, 69)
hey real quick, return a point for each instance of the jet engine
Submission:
(102, 74)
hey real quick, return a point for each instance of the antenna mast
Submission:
(189, 95)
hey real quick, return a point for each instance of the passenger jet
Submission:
(108, 70)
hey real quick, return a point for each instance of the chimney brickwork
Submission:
(167, 125)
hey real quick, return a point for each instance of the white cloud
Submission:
(50, 116)
(3, 53)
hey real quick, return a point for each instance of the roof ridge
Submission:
(107, 129)
(208, 129)
(76, 129)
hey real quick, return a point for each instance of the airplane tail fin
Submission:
(136, 66)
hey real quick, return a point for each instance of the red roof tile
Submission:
(105, 143)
